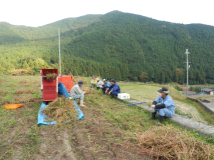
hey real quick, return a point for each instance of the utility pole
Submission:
(59, 54)
(187, 69)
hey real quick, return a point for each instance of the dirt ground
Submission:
(91, 138)
(96, 137)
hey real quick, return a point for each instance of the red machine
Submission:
(49, 88)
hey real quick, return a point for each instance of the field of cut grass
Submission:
(109, 130)
(148, 93)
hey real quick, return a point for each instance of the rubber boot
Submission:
(81, 103)
(160, 120)
(153, 116)
(112, 96)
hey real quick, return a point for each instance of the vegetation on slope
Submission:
(115, 45)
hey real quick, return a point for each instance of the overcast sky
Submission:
(40, 12)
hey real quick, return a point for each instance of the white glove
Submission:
(152, 108)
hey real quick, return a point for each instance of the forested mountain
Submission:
(115, 45)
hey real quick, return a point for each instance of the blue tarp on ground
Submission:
(62, 90)
(41, 117)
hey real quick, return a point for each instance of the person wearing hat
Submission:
(77, 93)
(113, 90)
(164, 105)
(99, 83)
(105, 86)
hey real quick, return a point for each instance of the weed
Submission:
(34, 137)
(10, 151)
(36, 95)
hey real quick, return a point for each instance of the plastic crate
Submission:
(68, 82)
(123, 96)
(68, 85)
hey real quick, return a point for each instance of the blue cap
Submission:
(80, 82)
(105, 79)
(112, 80)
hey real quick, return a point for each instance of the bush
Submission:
(150, 82)
(178, 88)
(195, 89)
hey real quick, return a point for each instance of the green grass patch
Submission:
(132, 119)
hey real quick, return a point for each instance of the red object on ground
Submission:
(68, 82)
(50, 88)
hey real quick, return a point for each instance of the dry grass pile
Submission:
(61, 110)
(11, 85)
(23, 82)
(87, 90)
(3, 92)
(51, 76)
(3, 102)
(24, 99)
(24, 91)
(76, 79)
(167, 142)
(24, 85)
(21, 99)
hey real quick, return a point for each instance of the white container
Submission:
(123, 96)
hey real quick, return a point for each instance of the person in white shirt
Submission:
(77, 93)
(99, 83)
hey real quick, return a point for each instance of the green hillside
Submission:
(115, 45)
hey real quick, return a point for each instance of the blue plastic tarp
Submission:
(41, 117)
(62, 90)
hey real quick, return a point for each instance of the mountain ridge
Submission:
(116, 39)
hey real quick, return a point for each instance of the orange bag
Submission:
(13, 106)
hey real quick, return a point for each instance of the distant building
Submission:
(208, 91)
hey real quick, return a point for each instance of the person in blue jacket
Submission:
(164, 105)
(113, 90)
(105, 86)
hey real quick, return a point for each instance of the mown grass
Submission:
(148, 93)
(21, 138)
(130, 119)
(18, 130)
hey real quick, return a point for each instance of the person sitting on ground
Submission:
(99, 83)
(165, 108)
(92, 81)
(77, 93)
(114, 89)
(105, 86)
